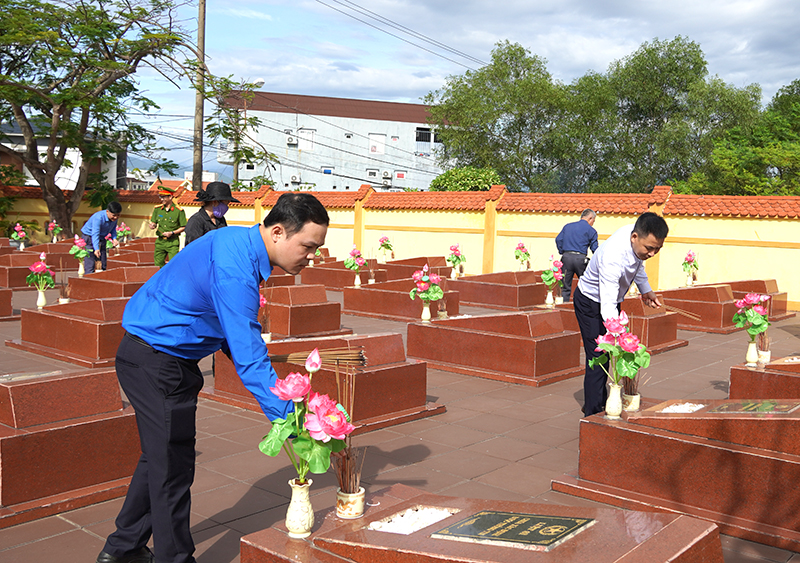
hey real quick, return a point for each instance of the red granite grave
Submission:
(389, 390)
(404, 269)
(279, 277)
(531, 348)
(779, 379)
(14, 267)
(119, 282)
(713, 303)
(86, 333)
(125, 258)
(503, 290)
(65, 441)
(6, 309)
(300, 310)
(391, 300)
(608, 535)
(776, 305)
(335, 276)
(733, 462)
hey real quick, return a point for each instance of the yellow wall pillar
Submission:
(358, 224)
(489, 236)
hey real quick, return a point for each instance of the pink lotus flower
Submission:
(313, 362)
(108, 236)
(18, 227)
(42, 256)
(616, 325)
(740, 304)
(38, 267)
(331, 423)
(606, 338)
(423, 285)
(51, 225)
(752, 298)
(765, 298)
(294, 388)
(435, 279)
(320, 403)
(262, 301)
(557, 264)
(454, 248)
(22, 234)
(425, 269)
(360, 261)
(418, 275)
(558, 275)
(383, 239)
(79, 242)
(521, 247)
(690, 257)
(628, 342)
(760, 309)
(355, 252)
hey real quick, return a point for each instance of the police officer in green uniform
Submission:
(169, 220)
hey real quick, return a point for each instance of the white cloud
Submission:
(247, 14)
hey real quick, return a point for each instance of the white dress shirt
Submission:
(610, 272)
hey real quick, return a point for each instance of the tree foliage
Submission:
(465, 179)
(653, 117)
(66, 81)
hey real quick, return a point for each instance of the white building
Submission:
(339, 144)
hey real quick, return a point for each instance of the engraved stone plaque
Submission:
(535, 532)
(757, 406)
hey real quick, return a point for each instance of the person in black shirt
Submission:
(211, 215)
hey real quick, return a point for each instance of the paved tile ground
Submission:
(496, 441)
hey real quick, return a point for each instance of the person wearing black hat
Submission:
(211, 215)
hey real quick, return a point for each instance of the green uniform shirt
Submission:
(168, 220)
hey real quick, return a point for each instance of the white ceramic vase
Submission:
(350, 505)
(81, 269)
(426, 312)
(549, 301)
(21, 245)
(454, 273)
(357, 281)
(55, 238)
(614, 402)
(689, 280)
(631, 403)
(300, 514)
(41, 300)
(751, 358)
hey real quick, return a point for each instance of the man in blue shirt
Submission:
(95, 231)
(572, 243)
(207, 300)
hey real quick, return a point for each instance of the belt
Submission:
(573, 252)
(137, 340)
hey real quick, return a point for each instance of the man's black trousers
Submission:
(163, 390)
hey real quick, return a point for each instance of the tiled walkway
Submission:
(496, 441)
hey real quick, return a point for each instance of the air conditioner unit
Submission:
(387, 182)
(387, 174)
(296, 179)
(291, 140)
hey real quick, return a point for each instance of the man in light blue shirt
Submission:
(95, 231)
(206, 300)
(602, 287)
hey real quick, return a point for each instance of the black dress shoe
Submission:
(144, 555)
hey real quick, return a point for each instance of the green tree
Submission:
(501, 116)
(465, 180)
(66, 80)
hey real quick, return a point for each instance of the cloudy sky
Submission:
(342, 49)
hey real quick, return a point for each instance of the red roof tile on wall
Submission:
(627, 204)
(451, 201)
(733, 206)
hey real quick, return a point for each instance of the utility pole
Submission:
(197, 165)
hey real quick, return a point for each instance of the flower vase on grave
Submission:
(55, 239)
(614, 402)
(357, 282)
(454, 273)
(549, 301)
(426, 311)
(21, 245)
(559, 299)
(300, 514)
(690, 280)
(631, 403)
(81, 269)
(764, 356)
(751, 357)
(41, 300)
(350, 506)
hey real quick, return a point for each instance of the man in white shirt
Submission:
(602, 287)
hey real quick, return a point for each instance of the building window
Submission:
(423, 140)
(251, 166)
(372, 173)
(305, 139)
(377, 143)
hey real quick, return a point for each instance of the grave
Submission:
(124, 258)
(335, 276)
(389, 390)
(776, 305)
(66, 442)
(503, 290)
(477, 530)
(404, 269)
(279, 277)
(119, 282)
(779, 379)
(6, 309)
(14, 267)
(86, 333)
(733, 462)
(713, 303)
(390, 300)
(531, 348)
(300, 310)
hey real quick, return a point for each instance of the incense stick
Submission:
(328, 357)
(682, 312)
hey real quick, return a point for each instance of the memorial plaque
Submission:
(762, 406)
(535, 532)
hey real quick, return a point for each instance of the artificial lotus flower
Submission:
(294, 387)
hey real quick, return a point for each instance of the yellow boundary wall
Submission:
(728, 248)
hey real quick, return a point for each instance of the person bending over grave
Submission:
(617, 263)
(211, 216)
(94, 232)
(206, 300)
(169, 220)
(573, 243)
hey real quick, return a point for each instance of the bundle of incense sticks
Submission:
(331, 358)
